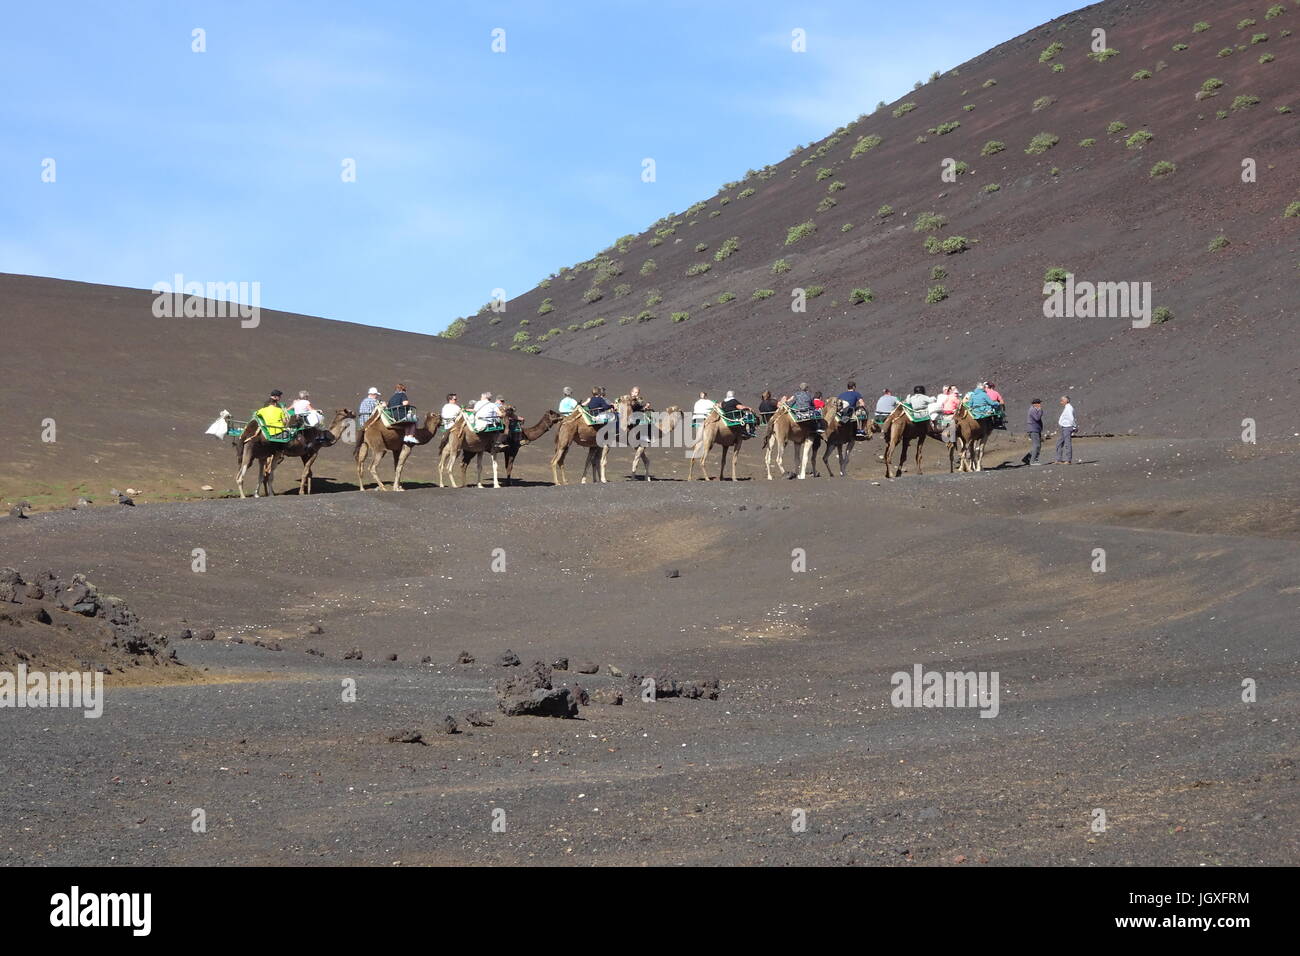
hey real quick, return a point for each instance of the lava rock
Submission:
(449, 725)
(609, 696)
(588, 667)
(406, 737)
(207, 634)
(541, 703)
(508, 659)
(580, 695)
(477, 718)
(353, 655)
(464, 657)
(560, 664)
(392, 657)
(672, 573)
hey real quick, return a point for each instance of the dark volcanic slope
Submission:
(131, 394)
(1094, 210)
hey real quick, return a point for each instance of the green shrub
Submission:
(1116, 128)
(727, 248)
(714, 214)
(1275, 11)
(1043, 102)
(698, 269)
(969, 107)
(1180, 47)
(992, 146)
(521, 336)
(653, 298)
(991, 188)
(824, 173)
(1088, 142)
(954, 244)
(1243, 24)
(928, 222)
(937, 273)
(935, 294)
(826, 204)
(943, 129)
(1221, 114)
(725, 200)
(780, 266)
(648, 267)
(1226, 51)
(621, 290)
(546, 306)
(656, 241)
(932, 244)
(530, 349)
(885, 211)
(760, 294)
(680, 316)
(1058, 67)
(593, 324)
(835, 187)
(989, 83)
(1200, 27)
(1051, 51)
(813, 291)
(701, 246)
(801, 231)
(1284, 109)
(859, 296)
(1212, 84)
(864, 145)
(1101, 56)
(1141, 75)
(1259, 38)
(746, 193)
(1161, 315)
(1245, 102)
(903, 109)
(1162, 168)
(1266, 58)
(847, 227)
(626, 320)
(1219, 242)
(1041, 143)
(495, 320)
(726, 297)
(921, 139)
(1139, 139)
(592, 295)
(645, 316)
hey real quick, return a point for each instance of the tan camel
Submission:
(715, 431)
(525, 435)
(899, 429)
(375, 438)
(574, 430)
(783, 429)
(648, 432)
(842, 436)
(252, 446)
(971, 436)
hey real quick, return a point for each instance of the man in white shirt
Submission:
(450, 411)
(1064, 444)
(486, 412)
(568, 403)
(703, 405)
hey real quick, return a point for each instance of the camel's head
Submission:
(551, 416)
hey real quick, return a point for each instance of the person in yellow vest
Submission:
(272, 415)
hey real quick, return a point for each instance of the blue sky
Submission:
(474, 170)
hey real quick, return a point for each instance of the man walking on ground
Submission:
(1034, 428)
(1064, 444)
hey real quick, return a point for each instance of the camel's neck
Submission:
(534, 432)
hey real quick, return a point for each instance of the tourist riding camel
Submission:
(908, 422)
(378, 437)
(844, 429)
(802, 427)
(590, 426)
(727, 425)
(267, 440)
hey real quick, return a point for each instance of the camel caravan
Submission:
(492, 428)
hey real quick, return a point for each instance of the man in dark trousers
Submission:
(1034, 428)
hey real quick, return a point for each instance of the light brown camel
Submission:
(341, 415)
(715, 431)
(649, 431)
(374, 438)
(971, 436)
(899, 429)
(467, 443)
(781, 430)
(574, 430)
(841, 436)
(252, 446)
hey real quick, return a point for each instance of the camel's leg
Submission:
(400, 457)
(826, 458)
(637, 455)
(375, 456)
(362, 450)
(239, 478)
(495, 483)
(805, 453)
(735, 457)
(920, 441)
(604, 460)
(557, 465)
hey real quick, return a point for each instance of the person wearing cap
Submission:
(368, 405)
(731, 405)
(272, 414)
(1034, 429)
(568, 403)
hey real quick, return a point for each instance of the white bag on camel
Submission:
(219, 427)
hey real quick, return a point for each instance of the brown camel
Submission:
(374, 438)
(899, 429)
(252, 446)
(781, 430)
(467, 443)
(525, 435)
(841, 436)
(341, 415)
(715, 431)
(971, 437)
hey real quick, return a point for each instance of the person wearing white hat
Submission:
(368, 406)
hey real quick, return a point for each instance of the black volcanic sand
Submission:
(1119, 690)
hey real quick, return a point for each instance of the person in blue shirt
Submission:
(401, 409)
(597, 403)
(853, 399)
(568, 403)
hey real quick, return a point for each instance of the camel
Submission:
(574, 430)
(972, 435)
(251, 446)
(717, 432)
(341, 415)
(783, 429)
(841, 436)
(467, 443)
(374, 438)
(649, 431)
(899, 429)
